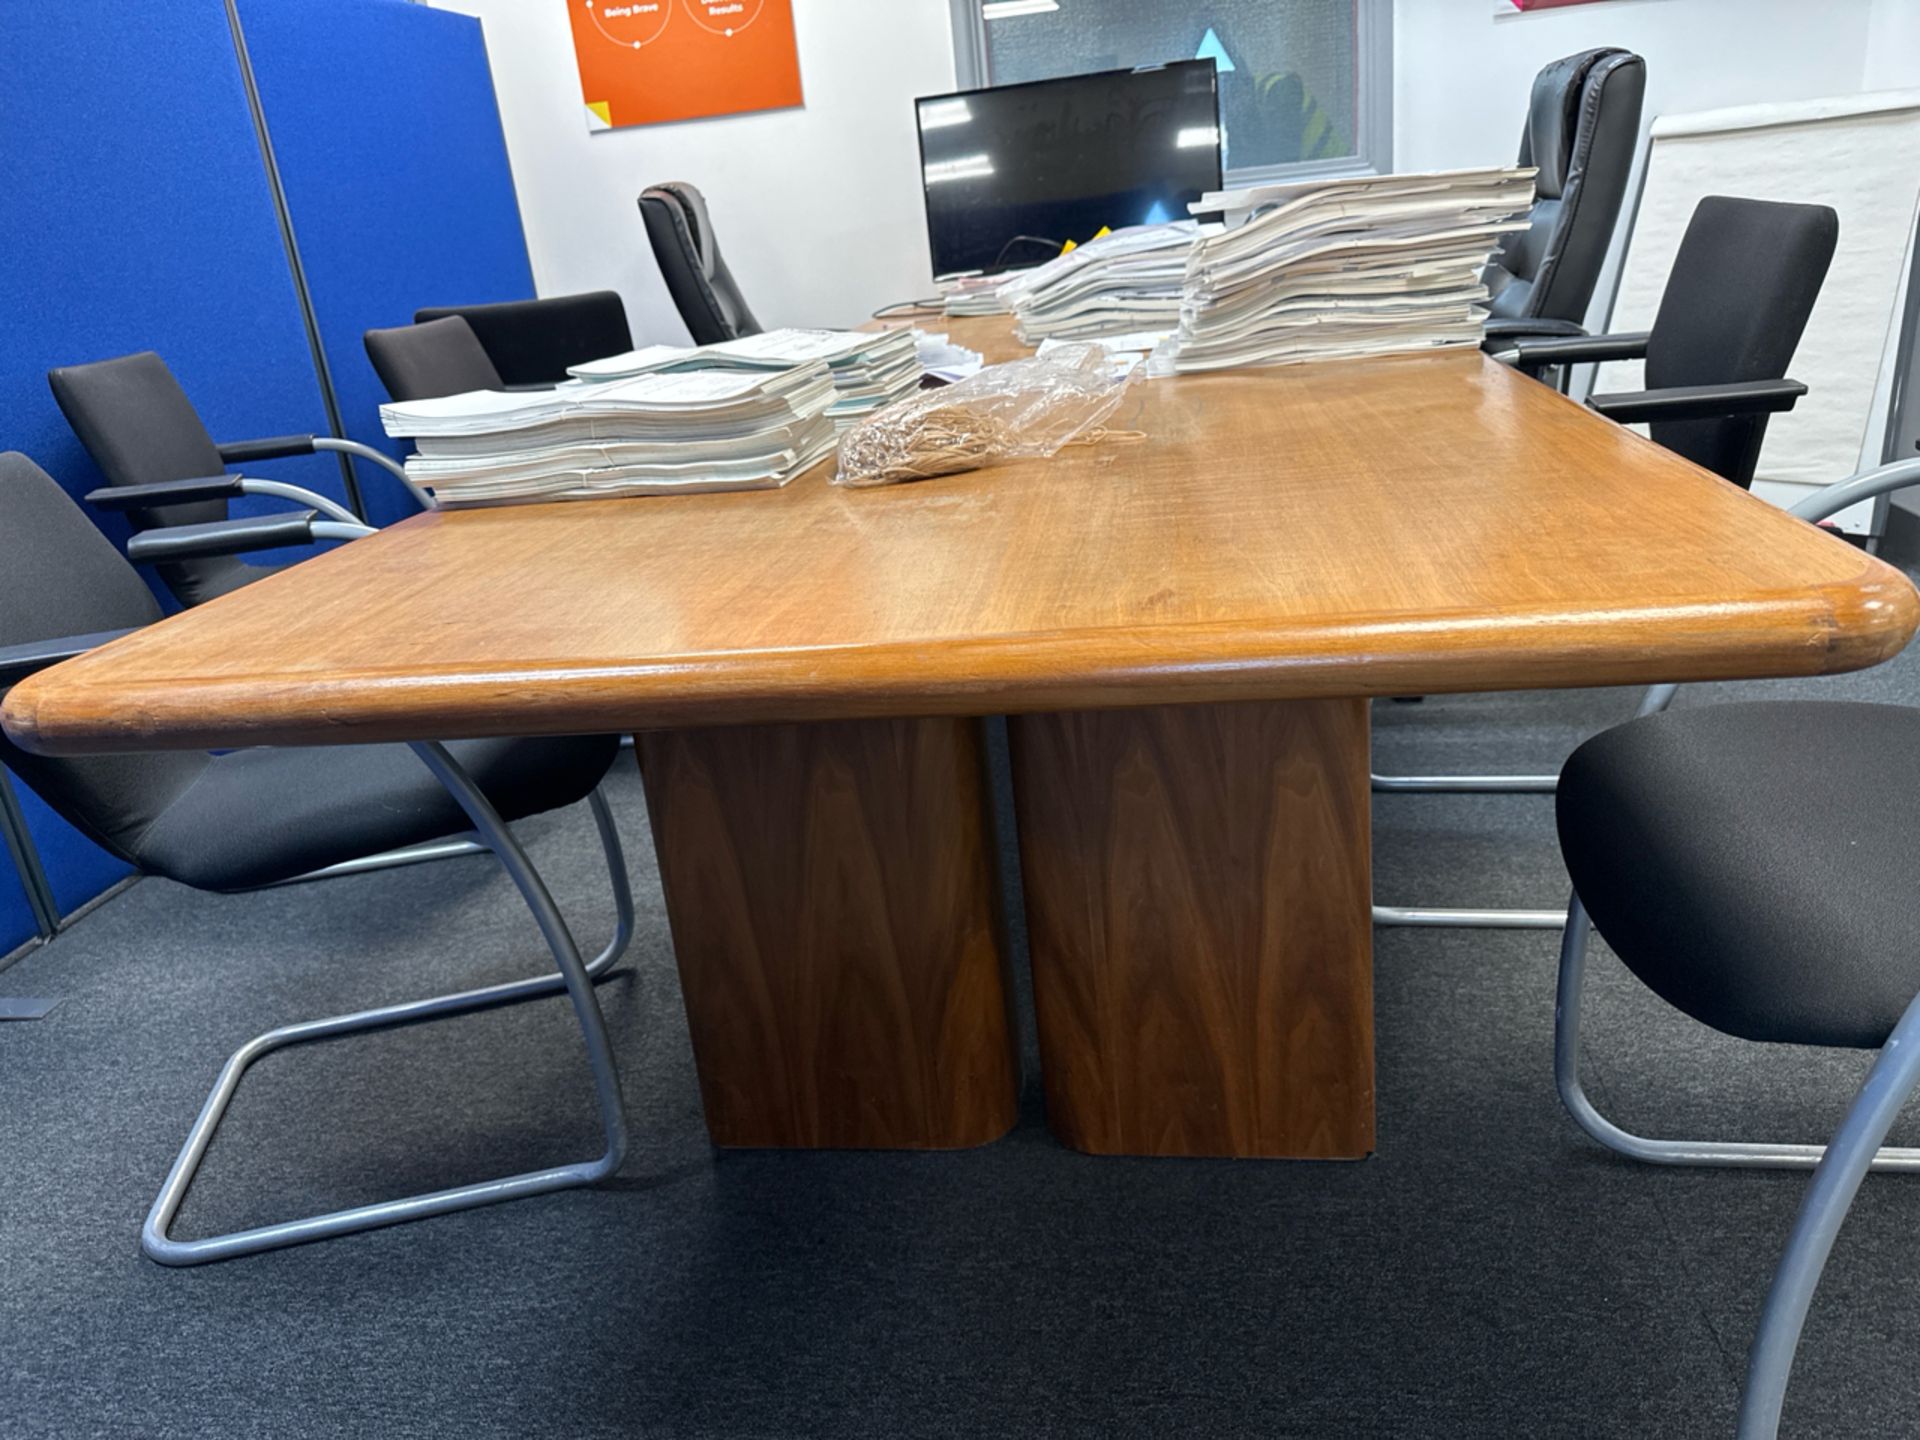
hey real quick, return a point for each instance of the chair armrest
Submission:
(1515, 327)
(165, 492)
(215, 487)
(1700, 402)
(1533, 355)
(222, 537)
(274, 447)
(17, 662)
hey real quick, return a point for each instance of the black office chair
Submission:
(1583, 126)
(1752, 864)
(690, 261)
(167, 472)
(251, 818)
(533, 342)
(427, 361)
(1738, 299)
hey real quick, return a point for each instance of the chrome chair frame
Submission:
(572, 976)
(1839, 1167)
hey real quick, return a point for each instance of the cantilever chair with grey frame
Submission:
(697, 276)
(1583, 128)
(1738, 299)
(1801, 934)
(165, 470)
(199, 819)
(169, 475)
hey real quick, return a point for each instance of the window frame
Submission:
(1373, 42)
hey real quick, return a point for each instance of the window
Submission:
(1306, 86)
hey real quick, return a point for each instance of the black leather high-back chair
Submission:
(533, 342)
(141, 429)
(1738, 299)
(427, 361)
(1583, 127)
(690, 261)
(255, 817)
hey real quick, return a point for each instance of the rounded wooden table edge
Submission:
(1823, 630)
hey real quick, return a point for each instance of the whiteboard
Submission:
(1861, 155)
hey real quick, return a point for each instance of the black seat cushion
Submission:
(1755, 864)
(257, 816)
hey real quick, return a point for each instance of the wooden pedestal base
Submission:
(1199, 905)
(830, 888)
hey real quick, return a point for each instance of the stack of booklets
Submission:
(973, 295)
(654, 434)
(869, 368)
(1126, 282)
(1332, 269)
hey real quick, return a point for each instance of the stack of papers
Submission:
(1130, 281)
(973, 295)
(869, 368)
(655, 434)
(1327, 269)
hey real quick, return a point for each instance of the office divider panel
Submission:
(136, 216)
(18, 922)
(385, 130)
(16, 919)
(77, 869)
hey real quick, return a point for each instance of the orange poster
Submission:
(645, 61)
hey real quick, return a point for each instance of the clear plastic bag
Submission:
(1022, 409)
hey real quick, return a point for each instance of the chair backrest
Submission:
(1737, 301)
(140, 428)
(532, 342)
(424, 362)
(1583, 126)
(690, 261)
(60, 576)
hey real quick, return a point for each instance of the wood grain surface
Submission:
(1199, 916)
(1400, 525)
(831, 892)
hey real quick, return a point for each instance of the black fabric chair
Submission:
(251, 818)
(533, 342)
(169, 475)
(1583, 127)
(1738, 299)
(1753, 865)
(427, 361)
(690, 261)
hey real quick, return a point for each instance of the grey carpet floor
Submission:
(1488, 1272)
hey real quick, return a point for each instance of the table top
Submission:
(1397, 525)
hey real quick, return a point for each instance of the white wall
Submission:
(1893, 46)
(818, 210)
(1463, 73)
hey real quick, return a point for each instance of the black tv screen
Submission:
(1014, 172)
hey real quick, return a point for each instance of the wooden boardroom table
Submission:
(1185, 632)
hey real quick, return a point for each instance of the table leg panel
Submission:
(1199, 912)
(831, 894)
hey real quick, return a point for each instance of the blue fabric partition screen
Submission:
(137, 216)
(384, 127)
(140, 213)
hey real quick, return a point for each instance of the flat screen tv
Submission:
(1014, 172)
